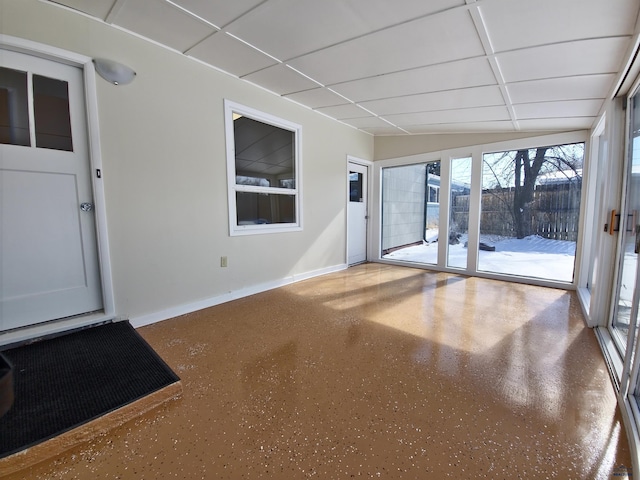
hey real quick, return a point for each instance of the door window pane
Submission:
(14, 108)
(51, 111)
(355, 187)
(460, 188)
(530, 211)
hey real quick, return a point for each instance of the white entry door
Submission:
(48, 253)
(357, 214)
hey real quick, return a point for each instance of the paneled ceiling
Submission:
(397, 67)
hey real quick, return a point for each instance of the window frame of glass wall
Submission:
(625, 359)
(458, 218)
(530, 208)
(476, 154)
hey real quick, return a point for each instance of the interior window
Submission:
(263, 158)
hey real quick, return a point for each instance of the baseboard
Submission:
(142, 320)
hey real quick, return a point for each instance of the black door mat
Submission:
(67, 381)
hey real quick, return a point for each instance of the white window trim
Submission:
(230, 108)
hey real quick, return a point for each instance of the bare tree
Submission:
(515, 175)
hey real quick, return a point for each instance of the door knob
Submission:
(86, 206)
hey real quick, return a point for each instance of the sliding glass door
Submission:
(625, 311)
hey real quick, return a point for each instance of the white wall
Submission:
(164, 170)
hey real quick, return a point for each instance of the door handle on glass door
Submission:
(612, 222)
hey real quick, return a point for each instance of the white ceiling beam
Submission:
(483, 33)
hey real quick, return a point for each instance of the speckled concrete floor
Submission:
(378, 371)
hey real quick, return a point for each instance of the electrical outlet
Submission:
(223, 261)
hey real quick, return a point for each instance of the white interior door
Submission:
(357, 214)
(48, 252)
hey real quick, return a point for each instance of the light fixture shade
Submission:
(114, 72)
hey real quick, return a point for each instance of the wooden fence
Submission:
(553, 213)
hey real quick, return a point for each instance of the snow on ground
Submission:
(531, 256)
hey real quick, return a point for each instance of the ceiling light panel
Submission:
(563, 60)
(316, 25)
(162, 22)
(218, 13)
(230, 55)
(551, 21)
(439, 38)
(447, 76)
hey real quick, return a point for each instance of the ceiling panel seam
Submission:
(192, 14)
(483, 33)
(562, 42)
(404, 70)
(115, 9)
(252, 9)
(378, 30)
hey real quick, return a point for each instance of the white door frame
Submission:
(85, 63)
(369, 166)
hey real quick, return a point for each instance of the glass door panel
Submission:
(530, 211)
(51, 113)
(432, 212)
(14, 108)
(629, 226)
(411, 212)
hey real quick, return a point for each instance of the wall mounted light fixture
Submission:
(114, 72)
